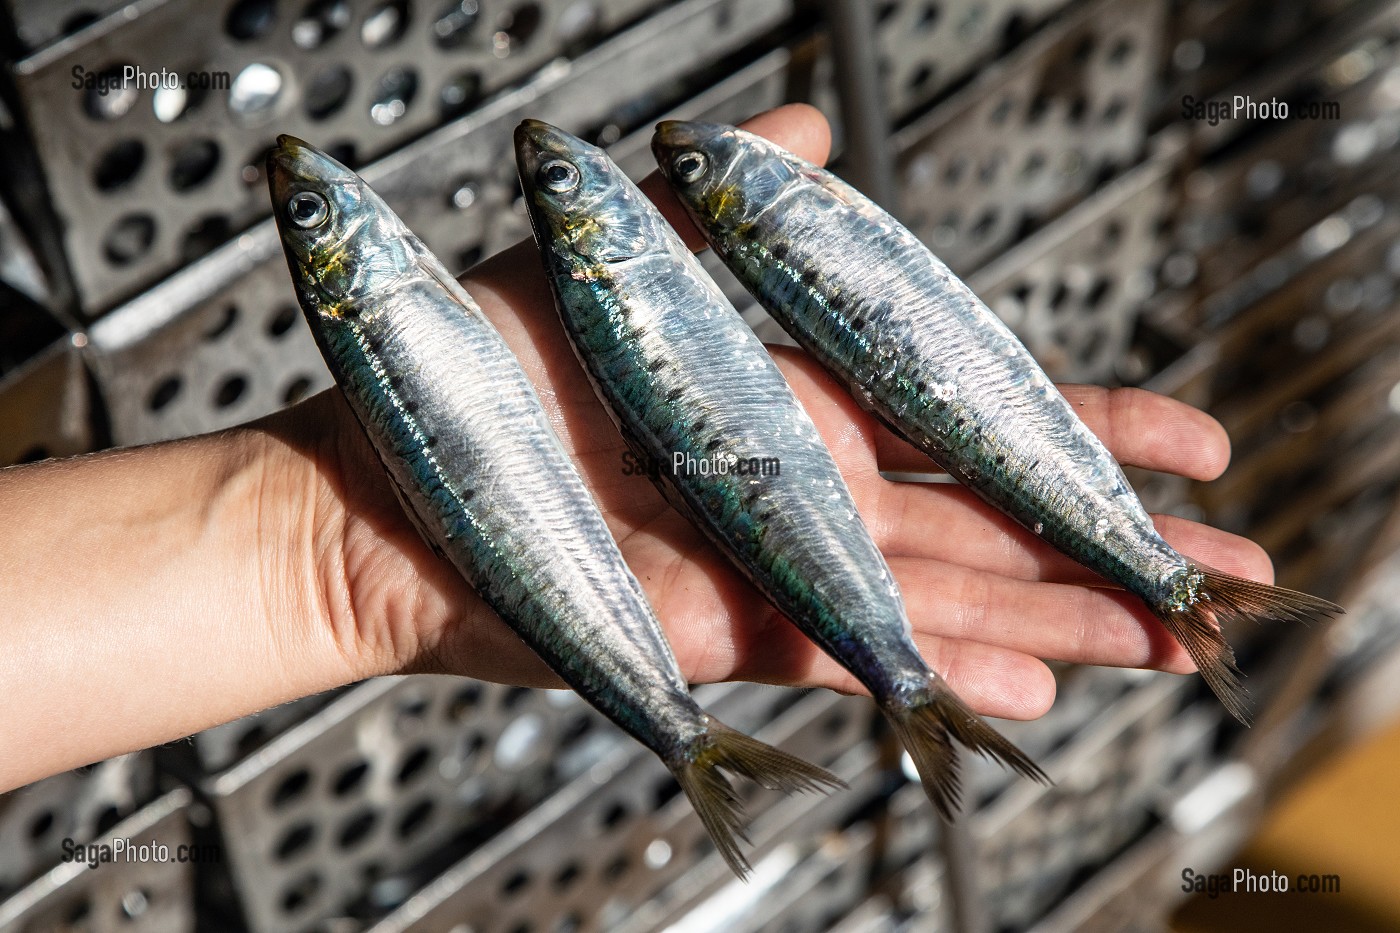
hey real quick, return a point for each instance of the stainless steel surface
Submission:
(45, 407)
(1028, 136)
(341, 808)
(855, 65)
(927, 46)
(84, 804)
(1247, 205)
(620, 827)
(1072, 291)
(129, 891)
(145, 180)
(39, 22)
(223, 746)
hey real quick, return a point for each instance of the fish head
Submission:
(581, 205)
(723, 175)
(342, 241)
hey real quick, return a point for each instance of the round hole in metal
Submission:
(296, 390)
(250, 19)
(230, 391)
(327, 92)
(350, 778)
(119, 165)
(130, 238)
(255, 92)
(192, 163)
(205, 235)
(108, 96)
(393, 94)
(385, 24)
(294, 842)
(456, 23)
(320, 21)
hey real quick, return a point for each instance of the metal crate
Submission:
(1025, 138)
(121, 894)
(222, 341)
(145, 180)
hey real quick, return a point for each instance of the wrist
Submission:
(291, 526)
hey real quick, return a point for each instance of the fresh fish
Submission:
(483, 476)
(926, 356)
(694, 391)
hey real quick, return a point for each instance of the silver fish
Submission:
(923, 353)
(695, 392)
(487, 482)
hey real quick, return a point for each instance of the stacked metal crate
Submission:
(1037, 145)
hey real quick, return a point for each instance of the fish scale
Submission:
(682, 374)
(832, 267)
(486, 481)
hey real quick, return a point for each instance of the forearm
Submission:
(147, 594)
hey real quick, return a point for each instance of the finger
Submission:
(940, 521)
(1218, 549)
(722, 633)
(1078, 624)
(993, 680)
(799, 128)
(1139, 428)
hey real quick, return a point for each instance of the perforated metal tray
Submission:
(222, 341)
(145, 179)
(1029, 134)
(76, 805)
(125, 893)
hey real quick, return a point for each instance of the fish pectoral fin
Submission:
(429, 265)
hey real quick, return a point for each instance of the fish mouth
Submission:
(294, 164)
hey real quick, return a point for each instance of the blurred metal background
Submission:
(1250, 267)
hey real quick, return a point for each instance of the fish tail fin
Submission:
(928, 721)
(720, 748)
(1218, 597)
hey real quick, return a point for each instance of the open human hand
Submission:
(988, 601)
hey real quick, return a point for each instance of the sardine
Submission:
(917, 348)
(485, 479)
(695, 392)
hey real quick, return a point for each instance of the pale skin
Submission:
(149, 593)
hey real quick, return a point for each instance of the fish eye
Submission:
(559, 176)
(307, 209)
(690, 166)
